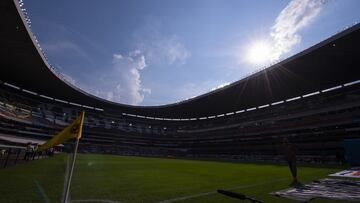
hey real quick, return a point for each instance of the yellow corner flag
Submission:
(74, 130)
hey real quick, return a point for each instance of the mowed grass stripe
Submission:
(139, 179)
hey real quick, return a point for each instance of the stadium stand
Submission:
(312, 98)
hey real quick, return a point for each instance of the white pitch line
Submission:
(96, 200)
(187, 197)
(214, 192)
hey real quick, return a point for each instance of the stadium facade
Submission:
(312, 98)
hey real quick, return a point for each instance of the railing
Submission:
(13, 155)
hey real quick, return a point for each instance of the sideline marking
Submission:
(214, 192)
(96, 200)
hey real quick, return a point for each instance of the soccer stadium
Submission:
(226, 145)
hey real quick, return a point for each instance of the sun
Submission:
(259, 53)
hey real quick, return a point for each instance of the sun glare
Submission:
(259, 53)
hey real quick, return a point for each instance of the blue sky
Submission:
(153, 52)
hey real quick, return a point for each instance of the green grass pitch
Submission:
(138, 179)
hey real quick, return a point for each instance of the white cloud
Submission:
(220, 86)
(173, 50)
(158, 47)
(146, 90)
(191, 90)
(296, 15)
(284, 33)
(164, 50)
(66, 46)
(151, 47)
(123, 83)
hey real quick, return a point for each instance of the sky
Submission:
(156, 52)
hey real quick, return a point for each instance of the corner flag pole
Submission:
(68, 182)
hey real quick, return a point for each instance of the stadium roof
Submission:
(333, 62)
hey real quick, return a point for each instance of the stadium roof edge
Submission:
(220, 101)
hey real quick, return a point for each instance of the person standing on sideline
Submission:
(290, 157)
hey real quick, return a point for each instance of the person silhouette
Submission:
(290, 157)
